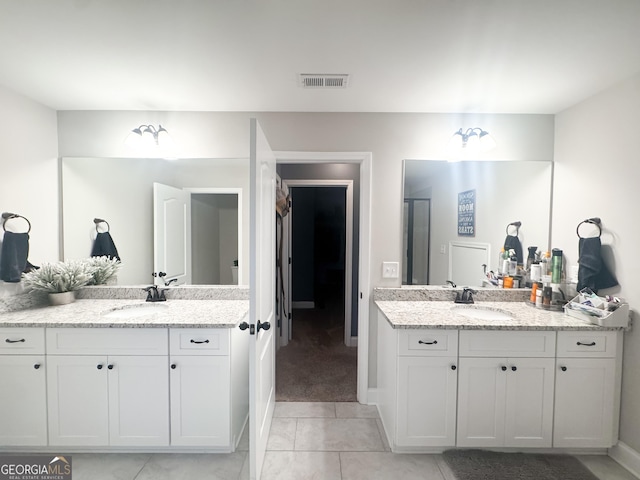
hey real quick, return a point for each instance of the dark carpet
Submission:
(484, 465)
(316, 365)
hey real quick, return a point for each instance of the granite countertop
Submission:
(172, 313)
(441, 314)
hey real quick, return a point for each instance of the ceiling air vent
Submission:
(324, 80)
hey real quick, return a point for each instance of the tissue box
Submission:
(597, 316)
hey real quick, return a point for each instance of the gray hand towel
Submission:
(13, 260)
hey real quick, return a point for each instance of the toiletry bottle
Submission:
(534, 290)
(531, 257)
(545, 266)
(556, 266)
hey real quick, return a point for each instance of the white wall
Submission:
(596, 174)
(28, 170)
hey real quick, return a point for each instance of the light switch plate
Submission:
(390, 269)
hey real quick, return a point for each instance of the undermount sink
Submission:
(481, 313)
(133, 311)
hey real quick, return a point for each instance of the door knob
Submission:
(243, 326)
(263, 326)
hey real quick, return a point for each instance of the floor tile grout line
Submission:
(142, 468)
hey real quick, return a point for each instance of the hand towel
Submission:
(513, 243)
(13, 260)
(104, 246)
(592, 272)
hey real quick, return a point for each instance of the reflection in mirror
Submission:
(504, 192)
(121, 192)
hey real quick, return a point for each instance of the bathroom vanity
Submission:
(108, 374)
(507, 375)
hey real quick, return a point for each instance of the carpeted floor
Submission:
(316, 366)
(484, 465)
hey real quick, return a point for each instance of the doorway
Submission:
(316, 361)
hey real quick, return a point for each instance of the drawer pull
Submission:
(8, 340)
(173, 366)
(110, 366)
(199, 341)
(503, 368)
(99, 366)
(36, 366)
(514, 368)
(453, 367)
(592, 344)
(427, 343)
(564, 369)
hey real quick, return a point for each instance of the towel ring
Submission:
(594, 221)
(98, 221)
(515, 224)
(8, 216)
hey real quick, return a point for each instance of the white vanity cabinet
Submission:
(209, 392)
(587, 389)
(505, 392)
(107, 387)
(417, 387)
(23, 407)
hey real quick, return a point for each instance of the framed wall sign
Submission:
(467, 213)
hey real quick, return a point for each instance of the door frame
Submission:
(227, 191)
(364, 159)
(348, 251)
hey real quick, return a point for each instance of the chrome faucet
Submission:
(154, 294)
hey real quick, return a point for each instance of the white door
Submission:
(262, 348)
(529, 404)
(171, 235)
(138, 400)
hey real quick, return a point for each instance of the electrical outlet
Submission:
(390, 269)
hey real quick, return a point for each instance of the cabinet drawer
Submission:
(507, 343)
(107, 341)
(199, 341)
(16, 341)
(428, 343)
(587, 344)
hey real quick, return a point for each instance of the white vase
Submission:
(62, 298)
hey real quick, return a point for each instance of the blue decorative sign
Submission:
(467, 213)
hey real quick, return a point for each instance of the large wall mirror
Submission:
(121, 192)
(503, 192)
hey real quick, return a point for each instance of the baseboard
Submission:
(372, 396)
(303, 304)
(353, 342)
(627, 457)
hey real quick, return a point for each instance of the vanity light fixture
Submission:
(148, 134)
(472, 139)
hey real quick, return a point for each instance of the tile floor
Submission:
(319, 441)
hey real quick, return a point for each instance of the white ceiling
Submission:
(500, 56)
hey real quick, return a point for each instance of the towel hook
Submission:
(98, 221)
(8, 216)
(594, 221)
(515, 224)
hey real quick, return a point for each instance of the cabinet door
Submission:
(584, 409)
(23, 396)
(200, 401)
(77, 400)
(529, 404)
(427, 401)
(481, 402)
(138, 400)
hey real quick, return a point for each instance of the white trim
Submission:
(353, 342)
(364, 159)
(627, 457)
(303, 304)
(230, 191)
(348, 251)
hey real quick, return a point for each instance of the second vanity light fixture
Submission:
(148, 134)
(472, 139)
